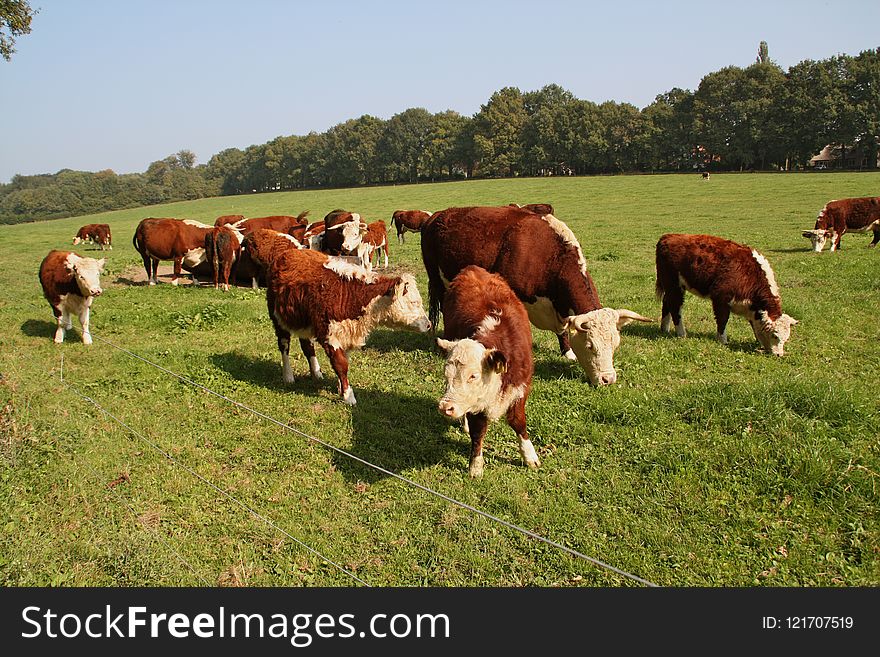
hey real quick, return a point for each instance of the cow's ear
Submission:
(445, 345)
(808, 233)
(101, 263)
(495, 360)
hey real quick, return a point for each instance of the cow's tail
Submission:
(134, 242)
(658, 285)
(436, 289)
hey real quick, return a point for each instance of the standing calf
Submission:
(70, 283)
(735, 277)
(222, 249)
(489, 359)
(329, 300)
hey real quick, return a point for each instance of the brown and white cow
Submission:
(537, 208)
(541, 260)
(374, 241)
(281, 223)
(96, 233)
(228, 219)
(223, 251)
(343, 232)
(319, 298)
(70, 283)
(854, 215)
(313, 236)
(489, 366)
(180, 240)
(735, 277)
(409, 220)
(261, 247)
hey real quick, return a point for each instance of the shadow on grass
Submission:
(387, 340)
(399, 433)
(267, 373)
(37, 328)
(800, 250)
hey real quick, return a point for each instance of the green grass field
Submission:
(704, 465)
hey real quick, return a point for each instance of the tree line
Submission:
(754, 118)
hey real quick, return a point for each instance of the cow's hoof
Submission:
(348, 397)
(87, 339)
(476, 468)
(570, 355)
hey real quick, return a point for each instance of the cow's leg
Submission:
(400, 239)
(154, 271)
(177, 268)
(477, 425)
(722, 314)
(84, 321)
(339, 361)
(385, 250)
(673, 298)
(308, 348)
(516, 418)
(876, 237)
(565, 346)
(835, 241)
(62, 320)
(284, 347)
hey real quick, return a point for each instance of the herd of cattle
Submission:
(492, 270)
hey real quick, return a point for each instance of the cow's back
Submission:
(55, 278)
(851, 213)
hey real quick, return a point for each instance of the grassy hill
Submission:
(705, 465)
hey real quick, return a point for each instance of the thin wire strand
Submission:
(213, 486)
(155, 533)
(406, 480)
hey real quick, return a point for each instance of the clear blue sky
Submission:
(117, 84)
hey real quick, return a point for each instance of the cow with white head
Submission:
(70, 282)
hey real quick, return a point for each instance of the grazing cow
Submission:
(375, 240)
(537, 208)
(96, 233)
(343, 232)
(488, 345)
(409, 220)
(541, 260)
(705, 175)
(228, 219)
(281, 223)
(735, 277)
(223, 250)
(182, 241)
(261, 247)
(319, 298)
(856, 215)
(70, 282)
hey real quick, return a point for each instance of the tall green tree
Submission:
(498, 133)
(15, 20)
(405, 138)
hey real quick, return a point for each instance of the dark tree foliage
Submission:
(754, 118)
(15, 20)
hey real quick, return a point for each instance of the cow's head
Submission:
(594, 338)
(817, 236)
(87, 273)
(773, 335)
(406, 310)
(473, 377)
(77, 240)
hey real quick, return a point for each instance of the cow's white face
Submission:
(817, 237)
(473, 378)
(76, 240)
(773, 335)
(407, 310)
(87, 272)
(353, 232)
(594, 338)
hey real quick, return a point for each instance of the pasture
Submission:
(705, 465)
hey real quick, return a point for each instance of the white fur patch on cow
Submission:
(348, 396)
(349, 270)
(530, 456)
(568, 237)
(490, 323)
(197, 224)
(315, 368)
(194, 257)
(543, 315)
(768, 272)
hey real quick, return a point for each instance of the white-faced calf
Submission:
(735, 277)
(70, 283)
(489, 363)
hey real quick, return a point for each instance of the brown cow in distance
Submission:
(855, 215)
(97, 233)
(541, 260)
(735, 277)
(537, 208)
(222, 250)
(315, 297)
(180, 240)
(70, 282)
(281, 223)
(489, 366)
(374, 241)
(228, 219)
(408, 220)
